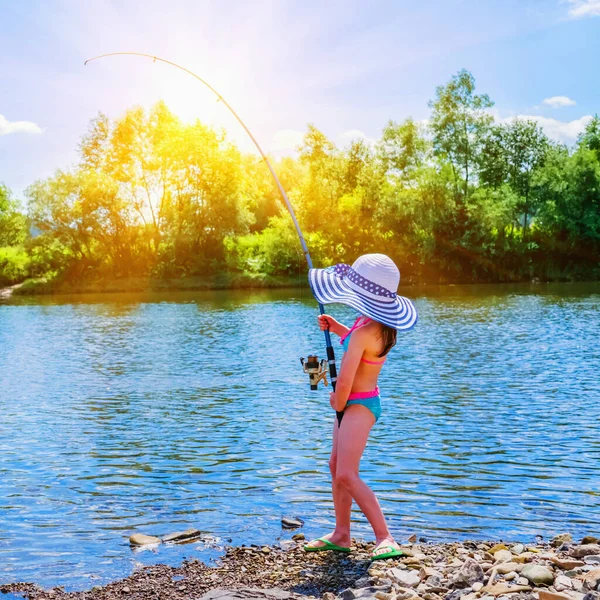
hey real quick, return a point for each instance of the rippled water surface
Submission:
(123, 413)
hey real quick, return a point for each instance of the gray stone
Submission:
(562, 583)
(250, 594)
(427, 572)
(468, 574)
(591, 580)
(139, 539)
(559, 540)
(508, 567)
(291, 522)
(500, 589)
(287, 544)
(178, 536)
(592, 559)
(404, 578)
(457, 594)
(538, 575)
(366, 592)
(503, 556)
(585, 550)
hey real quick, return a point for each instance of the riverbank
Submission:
(222, 281)
(469, 570)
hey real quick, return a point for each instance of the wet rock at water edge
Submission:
(590, 539)
(139, 539)
(298, 536)
(559, 540)
(538, 575)
(291, 522)
(180, 536)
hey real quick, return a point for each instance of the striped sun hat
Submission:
(369, 286)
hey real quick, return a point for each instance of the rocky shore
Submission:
(471, 570)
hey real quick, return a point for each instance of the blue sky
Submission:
(345, 66)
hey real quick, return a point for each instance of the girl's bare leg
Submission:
(352, 439)
(342, 501)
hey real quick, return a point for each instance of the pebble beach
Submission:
(559, 569)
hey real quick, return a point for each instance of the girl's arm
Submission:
(356, 348)
(327, 322)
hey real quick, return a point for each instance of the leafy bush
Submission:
(14, 265)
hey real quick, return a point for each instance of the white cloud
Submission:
(286, 141)
(559, 101)
(7, 127)
(581, 9)
(560, 131)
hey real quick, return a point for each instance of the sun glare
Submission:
(190, 100)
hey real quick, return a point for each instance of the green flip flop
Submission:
(326, 548)
(393, 553)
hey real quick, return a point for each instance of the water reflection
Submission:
(159, 412)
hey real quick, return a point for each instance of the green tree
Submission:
(13, 226)
(460, 123)
(403, 150)
(526, 147)
(590, 138)
(570, 187)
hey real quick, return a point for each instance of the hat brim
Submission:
(328, 288)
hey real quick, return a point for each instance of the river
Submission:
(155, 413)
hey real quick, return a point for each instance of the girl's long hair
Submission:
(389, 335)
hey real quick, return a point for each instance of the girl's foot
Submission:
(386, 548)
(327, 541)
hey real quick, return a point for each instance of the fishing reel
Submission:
(316, 369)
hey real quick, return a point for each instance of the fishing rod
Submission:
(317, 370)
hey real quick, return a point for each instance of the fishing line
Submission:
(330, 361)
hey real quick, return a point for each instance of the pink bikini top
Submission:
(345, 340)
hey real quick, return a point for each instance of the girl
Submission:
(369, 286)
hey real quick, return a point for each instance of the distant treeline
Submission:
(462, 198)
